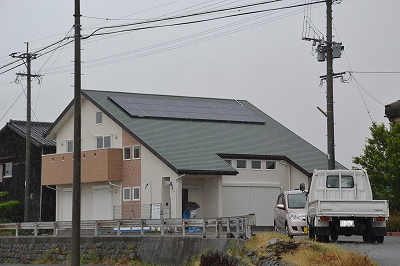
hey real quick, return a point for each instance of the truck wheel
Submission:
(311, 233)
(334, 237)
(379, 239)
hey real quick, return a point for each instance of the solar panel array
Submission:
(200, 109)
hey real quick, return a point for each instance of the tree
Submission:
(5, 206)
(381, 160)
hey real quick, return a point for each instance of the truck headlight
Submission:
(294, 216)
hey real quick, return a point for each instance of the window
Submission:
(256, 165)
(333, 181)
(103, 142)
(229, 162)
(270, 165)
(136, 152)
(127, 194)
(7, 170)
(69, 145)
(136, 193)
(127, 153)
(241, 164)
(99, 118)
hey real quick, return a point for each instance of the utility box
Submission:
(321, 52)
(337, 49)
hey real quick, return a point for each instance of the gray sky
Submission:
(260, 58)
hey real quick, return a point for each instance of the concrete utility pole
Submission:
(329, 88)
(76, 186)
(28, 58)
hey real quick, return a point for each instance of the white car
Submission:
(289, 213)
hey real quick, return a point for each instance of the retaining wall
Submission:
(154, 250)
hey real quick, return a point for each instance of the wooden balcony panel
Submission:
(97, 166)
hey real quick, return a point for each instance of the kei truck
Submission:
(339, 202)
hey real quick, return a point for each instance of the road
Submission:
(386, 254)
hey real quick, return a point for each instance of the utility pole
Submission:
(76, 182)
(329, 88)
(328, 51)
(28, 56)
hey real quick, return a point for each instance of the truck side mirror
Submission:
(302, 187)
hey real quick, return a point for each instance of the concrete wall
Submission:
(154, 250)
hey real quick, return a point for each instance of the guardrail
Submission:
(237, 227)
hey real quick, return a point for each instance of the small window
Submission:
(333, 181)
(69, 145)
(7, 170)
(99, 142)
(136, 193)
(229, 162)
(107, 141)
(136, 152)
(99, 118)
(241, 164)
(127, 194)
(103, 142)
(270, 165)
(127, 153)
(256, 165)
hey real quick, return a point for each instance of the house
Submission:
(12, 169)
(392, 112)
(147, 156)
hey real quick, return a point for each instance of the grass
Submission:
(307, 252)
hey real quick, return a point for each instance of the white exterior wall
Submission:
(89, 129)
(88, 134)
(153, 172)
(287, 176)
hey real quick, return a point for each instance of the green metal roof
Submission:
(194, 146)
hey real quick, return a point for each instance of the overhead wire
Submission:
(177, 41)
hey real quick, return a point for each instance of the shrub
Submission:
(393, 224)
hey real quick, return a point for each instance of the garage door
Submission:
(102, 203)
(246, 198)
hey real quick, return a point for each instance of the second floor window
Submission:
(136, 152)
(103, 142)
(127, 153)
(69, 145)
(99, 118)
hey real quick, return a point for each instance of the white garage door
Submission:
(243, 199)
(67, 204)
(102, 203)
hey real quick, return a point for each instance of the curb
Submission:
(393, 233)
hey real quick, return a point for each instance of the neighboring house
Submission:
(149, 155)
(12, 169)
(392, 111)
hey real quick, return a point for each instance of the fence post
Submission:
(162, 227)
(228, 228)
(183, 227)
(95, 228)
(35, 229)
(141, 227)
(237, 227)
(16, 230)
(204, 228)
(119, 228)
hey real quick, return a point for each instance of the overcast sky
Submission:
(259, 57)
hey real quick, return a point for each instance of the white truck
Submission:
(339, 202)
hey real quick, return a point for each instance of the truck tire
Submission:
(334, 236)
(379, 239)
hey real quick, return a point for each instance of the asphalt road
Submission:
(385, 254)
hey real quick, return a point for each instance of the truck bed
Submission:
(346, 208)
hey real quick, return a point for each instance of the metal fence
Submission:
(236, 227)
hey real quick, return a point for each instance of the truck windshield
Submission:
(297, 201)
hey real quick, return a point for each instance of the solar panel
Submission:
(201, 109)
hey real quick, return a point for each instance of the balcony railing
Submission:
(97, 166)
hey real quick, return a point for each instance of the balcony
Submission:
(97, 166)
